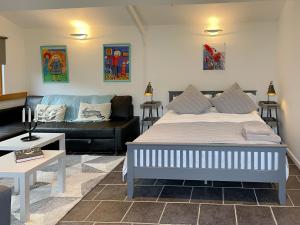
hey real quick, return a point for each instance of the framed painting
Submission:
(214, 56)
(55, 64)
(116, 62)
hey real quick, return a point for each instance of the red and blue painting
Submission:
(116, 62)
(214, 57)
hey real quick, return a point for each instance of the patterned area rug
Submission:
(47, 206)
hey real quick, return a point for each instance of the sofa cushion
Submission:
(33, 101)
(73, 101)
(94, 112)
(121, 108)
(11, 130)
(11, 115)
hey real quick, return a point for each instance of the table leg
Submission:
(16, 184)
(61, 174)
(33, 178)
(24, 198)
(62, 143)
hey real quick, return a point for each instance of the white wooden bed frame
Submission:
(191, 168)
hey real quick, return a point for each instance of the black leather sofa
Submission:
(81, 137)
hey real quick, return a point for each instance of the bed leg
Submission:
(282, 192)
(130, 187)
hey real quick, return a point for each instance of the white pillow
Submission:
(94, 112)
(50, 113)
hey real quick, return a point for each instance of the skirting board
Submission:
(293, 157)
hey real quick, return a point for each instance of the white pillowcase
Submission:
(94, 112)
(50, 113)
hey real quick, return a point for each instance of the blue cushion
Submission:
(73, 101)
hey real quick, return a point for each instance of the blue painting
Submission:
(116, 62)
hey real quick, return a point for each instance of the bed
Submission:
(205, 147)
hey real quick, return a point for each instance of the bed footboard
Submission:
(226, 162)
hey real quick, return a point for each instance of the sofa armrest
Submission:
(5, 204)
(127, 132)
(11, 115)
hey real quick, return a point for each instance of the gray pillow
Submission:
(234, 101)
(191, 101)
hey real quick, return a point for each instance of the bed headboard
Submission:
(173, 94)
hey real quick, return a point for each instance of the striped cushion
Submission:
(191, 101)
(234, 101)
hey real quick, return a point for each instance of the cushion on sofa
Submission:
(94, 112)
(73, 101)
(121, 108)
(50, 113)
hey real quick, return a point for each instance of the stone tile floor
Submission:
(187, 202)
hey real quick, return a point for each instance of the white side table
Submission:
(22, 171)
(16, 143)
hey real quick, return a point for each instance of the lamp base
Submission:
(29, 138)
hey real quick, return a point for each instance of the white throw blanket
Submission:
(257, 131)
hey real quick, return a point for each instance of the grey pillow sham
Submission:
(191, 101)
(234, 101)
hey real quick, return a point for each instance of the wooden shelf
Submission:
(13, 96)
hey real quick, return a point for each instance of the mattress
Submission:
(211, 127)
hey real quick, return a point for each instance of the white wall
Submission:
(85, 62)
(171, 59)
(174, 56)
(289, 75)
(16, 76)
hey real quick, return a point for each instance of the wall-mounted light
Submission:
(213, 31)
(79, 36)
(213, 27)
(81, 30)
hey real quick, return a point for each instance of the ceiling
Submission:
(182, 14)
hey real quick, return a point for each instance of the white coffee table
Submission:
(16, 143)
(22, 171)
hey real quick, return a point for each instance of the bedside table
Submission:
(150, 119)
(269, 118)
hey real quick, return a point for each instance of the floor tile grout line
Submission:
(235, 214)
(98, 193)
(274, 218)
(257, 202)
(290, 199)
(162, 212)
(126, 212)
(92, 211)
(199, 211)
(160, 193)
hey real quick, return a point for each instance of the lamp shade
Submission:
(271, 90)
(149, 90)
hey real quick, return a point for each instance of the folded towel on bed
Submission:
(257, 128)
(272, 137)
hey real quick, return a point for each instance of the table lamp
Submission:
(149, 91)
(271, 90)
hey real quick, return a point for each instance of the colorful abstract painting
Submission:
(116, 62)
(214, 57)
(55, 63)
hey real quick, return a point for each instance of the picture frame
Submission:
(117, 62)
(54, 61)
(214, 56)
